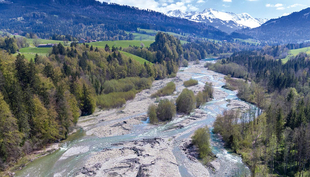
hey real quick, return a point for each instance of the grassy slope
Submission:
(152, 33)
(45, 41)
(134, 57)
(123, 44)
(295, 52)
(31, 51)
(143, 37)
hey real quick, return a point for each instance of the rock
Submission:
(88, 172)
(114, 174)
(142, 172)
(97, 166)
(117, 144)
(133, 160)
(215, 165)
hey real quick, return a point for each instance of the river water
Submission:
(81, 147)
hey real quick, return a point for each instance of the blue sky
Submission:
(256, 8)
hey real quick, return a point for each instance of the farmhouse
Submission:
(46, 45)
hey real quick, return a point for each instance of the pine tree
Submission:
(10, 137)
(87, 103)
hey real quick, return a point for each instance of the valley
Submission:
(154, 88)
(111, 142)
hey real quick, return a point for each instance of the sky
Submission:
(256, 8)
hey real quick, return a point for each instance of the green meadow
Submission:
(295, 52)
(134, 57)
(123, 44)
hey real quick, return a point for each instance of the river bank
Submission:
(112, 136)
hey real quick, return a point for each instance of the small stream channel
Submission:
(80, 147)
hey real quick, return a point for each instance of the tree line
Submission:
(277, 141)
(42, 99)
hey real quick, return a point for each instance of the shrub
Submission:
(167, 90)
(185, 63)
(199, 99)
(186, 101)
(190, 83)
(165, 110)
(201, 139)
(127, 84)
(208, 91)
(115, 99)
(197, 62)
(152, 114)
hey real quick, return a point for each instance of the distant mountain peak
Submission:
(226, 21)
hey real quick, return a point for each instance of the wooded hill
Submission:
(41, 100)
(90, 18)
(276, 142)
(293, 28)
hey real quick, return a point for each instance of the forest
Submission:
(42, 99)
(89, 18)
(276, 141)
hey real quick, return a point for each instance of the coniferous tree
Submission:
(87, 103)
(10, 137)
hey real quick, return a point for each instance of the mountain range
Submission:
(293, 28)
(90, 18)
(108, 21)
(224, 21)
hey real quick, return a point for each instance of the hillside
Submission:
(293, 28)
(99, 21)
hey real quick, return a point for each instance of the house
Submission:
(46, 45)
(82, 40)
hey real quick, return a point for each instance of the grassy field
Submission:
(30, 52)
(134, 57)
(143, 37)
(30, 56)
(151, 35)
(123, 44)
(35, 50)
(44, 41)
(295, 52)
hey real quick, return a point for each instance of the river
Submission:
(56, 164)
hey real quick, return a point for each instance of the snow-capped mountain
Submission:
(225, 21)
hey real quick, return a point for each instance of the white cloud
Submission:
(278, 6)
(160, 6)
(295, 5)
(286, 14)
(200, 1)
(149, 4)
(227, 0)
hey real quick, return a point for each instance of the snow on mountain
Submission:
(226, 21)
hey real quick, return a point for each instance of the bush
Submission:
(197, 62)
(186, 101)
(115, 99)
(199, 99)
(165, 110)
(152, 114)
(167, 90)
(185, 63)
(190, 83)
(208, 91)
(127, 84)
(201, 139)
